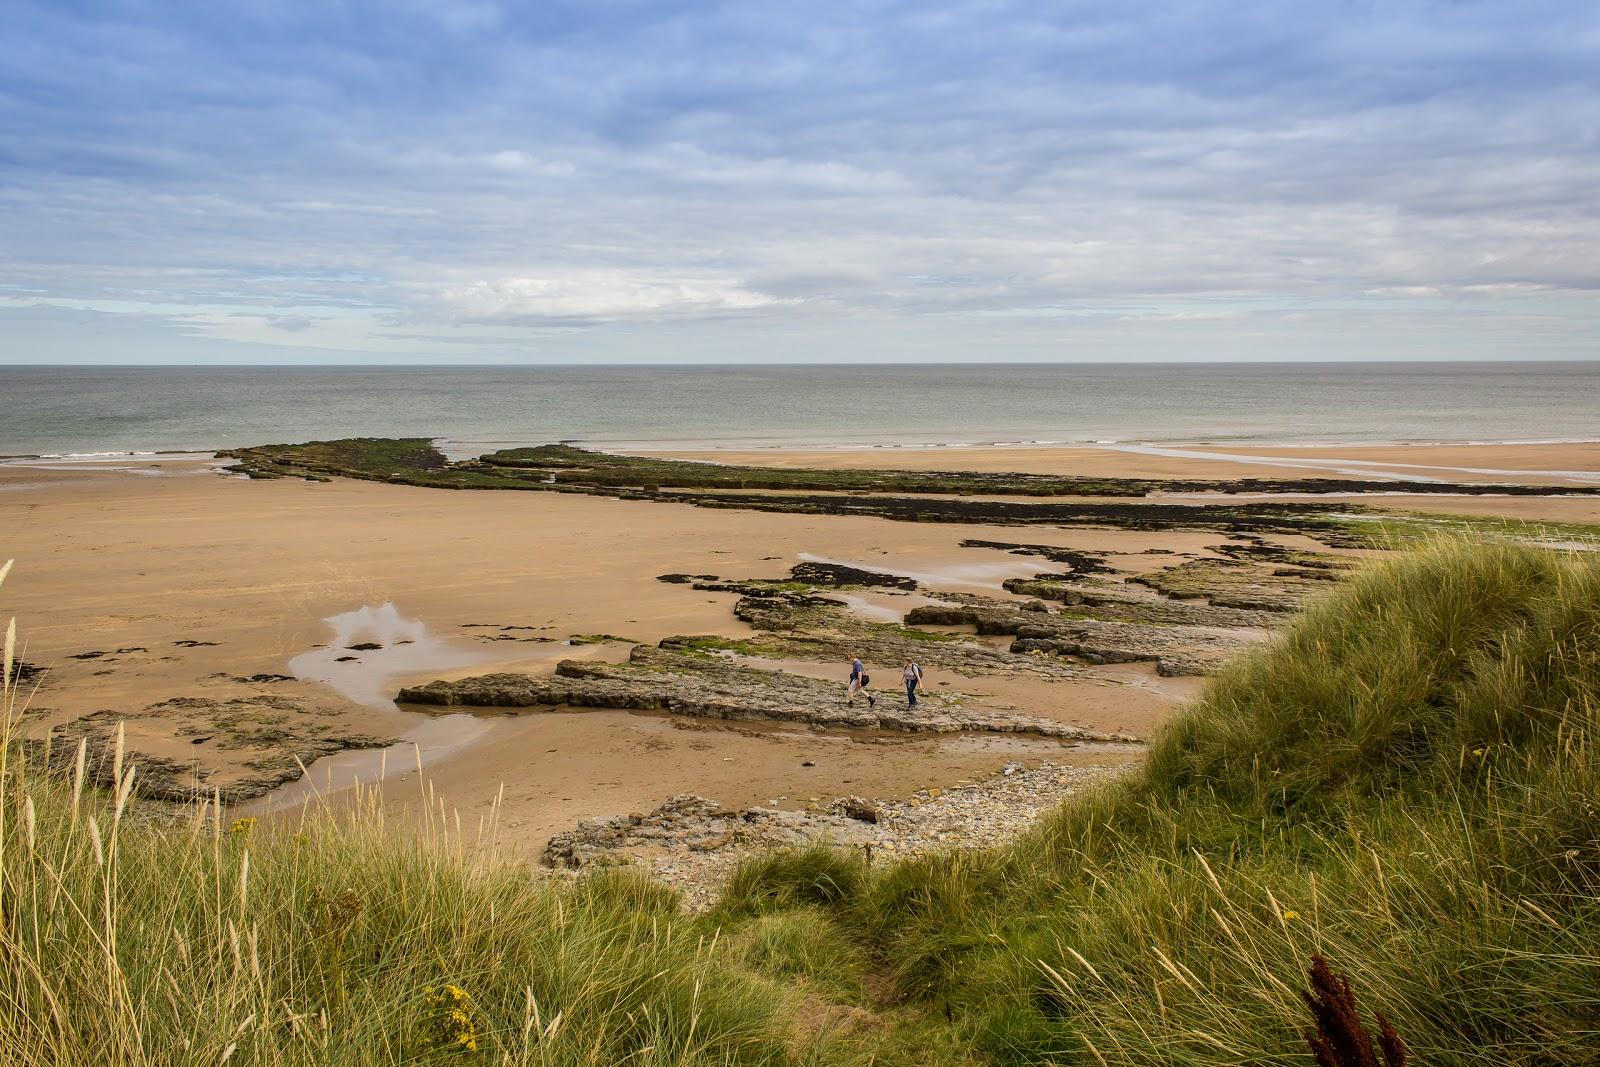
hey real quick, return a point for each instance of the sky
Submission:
(611, 181)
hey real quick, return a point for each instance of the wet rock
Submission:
(195, 644)
(1080, 561)
(364, 646)
(837, 574)
(1036, 605)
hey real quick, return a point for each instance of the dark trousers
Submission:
(911, 692)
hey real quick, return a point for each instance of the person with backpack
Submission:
(859, 680)
(913, 678)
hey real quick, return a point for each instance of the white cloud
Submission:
(597, 295)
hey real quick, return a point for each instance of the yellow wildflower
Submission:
(1290, 916)
(243, 826)
(450, 1021)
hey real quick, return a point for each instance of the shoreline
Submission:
(1554, 464)
(945, 446)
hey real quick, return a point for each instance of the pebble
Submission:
(695, 844)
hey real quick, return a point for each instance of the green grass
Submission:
(1406, 530)
(1405, 782)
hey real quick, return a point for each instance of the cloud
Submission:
(596, 295)
(374, 176)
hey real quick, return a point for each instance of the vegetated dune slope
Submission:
(1404, 782)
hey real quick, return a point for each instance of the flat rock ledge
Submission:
(1175, 649)
(695, 844)
(712, 687)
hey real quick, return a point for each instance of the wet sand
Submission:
(187, 583)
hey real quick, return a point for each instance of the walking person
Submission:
(913, 678)
(859, 680)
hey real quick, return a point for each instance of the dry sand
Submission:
(138, 563)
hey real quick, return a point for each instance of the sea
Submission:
(78, 411)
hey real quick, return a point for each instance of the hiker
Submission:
(859, 680)
(913, 678)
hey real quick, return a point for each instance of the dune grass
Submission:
(1405, 783)
(341, 940)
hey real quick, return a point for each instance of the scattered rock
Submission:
(364, 646)
(696, 843)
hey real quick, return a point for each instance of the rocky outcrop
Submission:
(715, 687)
(803, 628)
(270, 738)
(838, 574)
(1139, 605)
(1175, 650)
(1080, 563)
(1248, 586)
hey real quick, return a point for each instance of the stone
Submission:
(858, 808)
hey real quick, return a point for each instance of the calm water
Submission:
(52, 411)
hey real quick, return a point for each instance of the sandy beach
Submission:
(164, 594)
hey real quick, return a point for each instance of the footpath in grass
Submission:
(1404, 783)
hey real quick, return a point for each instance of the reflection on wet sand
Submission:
(371, 647)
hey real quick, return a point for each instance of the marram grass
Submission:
(340, 941)
(1404, 784)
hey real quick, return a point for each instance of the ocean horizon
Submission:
(86, 410)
